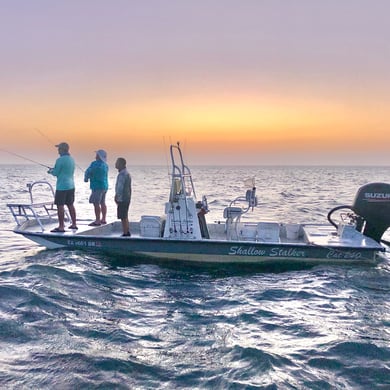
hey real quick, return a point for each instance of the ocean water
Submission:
(74, 320)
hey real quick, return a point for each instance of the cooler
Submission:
(150, 226)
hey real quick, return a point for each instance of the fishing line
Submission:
(81, 169)
(44, 136)
(25, 158)
(53, 144)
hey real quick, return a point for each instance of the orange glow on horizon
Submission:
(252, 124)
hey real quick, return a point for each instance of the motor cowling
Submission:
(372, 203)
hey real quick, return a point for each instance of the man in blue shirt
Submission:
(97, 174)
(65, 188)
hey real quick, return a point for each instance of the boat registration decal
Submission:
(85, 243)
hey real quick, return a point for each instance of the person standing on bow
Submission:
(123, 195)
(64, 171)
(97, 174)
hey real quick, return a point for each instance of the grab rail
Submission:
(37, 211)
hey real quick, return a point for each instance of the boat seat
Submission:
(268, 232)
(232, 212)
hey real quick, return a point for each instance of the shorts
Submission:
(98, 197)
(64, 197)
(123, 210)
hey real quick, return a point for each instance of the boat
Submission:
(352, 233)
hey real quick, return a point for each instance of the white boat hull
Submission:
(323, 248)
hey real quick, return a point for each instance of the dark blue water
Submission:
(74, 320)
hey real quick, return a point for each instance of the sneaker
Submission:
(126, 235)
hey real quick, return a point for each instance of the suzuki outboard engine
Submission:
(372, 204)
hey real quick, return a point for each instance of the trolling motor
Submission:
(370, 212)
(234, 212)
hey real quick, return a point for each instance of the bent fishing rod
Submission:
(24, 158)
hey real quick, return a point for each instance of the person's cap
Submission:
(63, 146)
(102, 154)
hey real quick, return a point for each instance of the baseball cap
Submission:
(63, 146)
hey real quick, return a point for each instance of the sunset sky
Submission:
(257, 82)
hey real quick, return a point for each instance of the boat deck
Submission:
(346, 236)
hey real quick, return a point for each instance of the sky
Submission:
(244, 82)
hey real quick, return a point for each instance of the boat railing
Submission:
(37, 210)
(181, 174)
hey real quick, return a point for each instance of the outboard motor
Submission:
(372, 203)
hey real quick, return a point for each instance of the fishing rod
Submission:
(25, 158)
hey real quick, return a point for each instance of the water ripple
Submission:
(74, 320)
